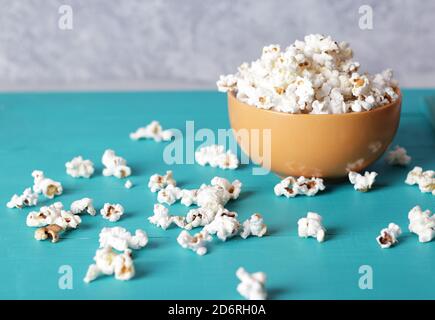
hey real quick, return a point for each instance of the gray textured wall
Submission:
(133, 44)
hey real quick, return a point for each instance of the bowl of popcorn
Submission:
(316, 114)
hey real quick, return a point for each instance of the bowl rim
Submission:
(398, 102)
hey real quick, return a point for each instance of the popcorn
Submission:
(26, 199)
(128, 184)
(114, 165)
(152, 131)
(196, 243)
(233, 188)
(158, 182)
(68, 220)
(422, 223)
(163, 219)
(188, 197)
(112, 212)
(51, 231)
(315, 76)
(398, 156)
(253, 226)
(216, 156)
(83, 205)
(311, 226)
(364, 182)
(121, 239)
(78, 167)
(45, 216)
(424, 179)
(389, 235)
(252, 285)
(169, 195)
(108, 262)
(291, 187)
(200, 217)
(225, 225)
(46, 186)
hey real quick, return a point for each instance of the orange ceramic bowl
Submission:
(325, 145)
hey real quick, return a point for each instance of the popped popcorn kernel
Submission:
(188, 197)
(311, 226)
(158, 182)
(169, 195)
(45, 216)
(26, 199)
(252, 285)
(422, 223)
(388, 236)
(424, 179)
(79, 167)
(225, 225)
(197, 243)
(48, 187)
(112, 212)
(291, 187)
(51, 231)
(364, 182)
(163, 219)
(253, 226)
(83, 205)
(152, 131)
(398, 156)
(216, 156)
(114, 165)
(121, 239)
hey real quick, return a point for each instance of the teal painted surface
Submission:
(43, 131)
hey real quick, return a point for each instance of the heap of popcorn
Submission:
(316, 76)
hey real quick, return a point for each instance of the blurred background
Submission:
(172, 44)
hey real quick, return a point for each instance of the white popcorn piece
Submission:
(83, 205)
(388, 236)
(188, 197)
(152, 131)
(253, 226)
(311, 226)
(112, 212)
(422, 223)
(197, 243)
(398, 156)
(424, 179)
(26, 199)
(45, 216)
(128, 184)
(233, 188)
(108, 262)
(114, 165)
(169, 195)
(68, 220)
(291, 187)
(51, 231)
(216, 156)
(121, 239)
(200, 217)
(316, 75)
(161, 217)
(79, 167)
(46, 186)
(364, 182)
(225, 225)
(158, 182)
(252, 285)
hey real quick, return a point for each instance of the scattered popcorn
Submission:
(424, 179)
(389, 235)
(114, 165)
(364, 182)
(78, 167)
(152, 131)
(233, 188)
(51, 231)
(188, 197)
(311, 226)
(108, 262)
(46, 186)
(398, 156)
(169, 195)
(112, 212)
(252, 285)
(45, 216)
(196, 243)
(422, 223)
(316, 76)
(128, 184)
(26, 199)
(200, 217)
(216, 156)
(83, 205)
(253, 226)
(225, 225)
(163, 219)
(121, 239)
(291, 187)
(158, 182)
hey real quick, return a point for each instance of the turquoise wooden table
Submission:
(43, 131)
